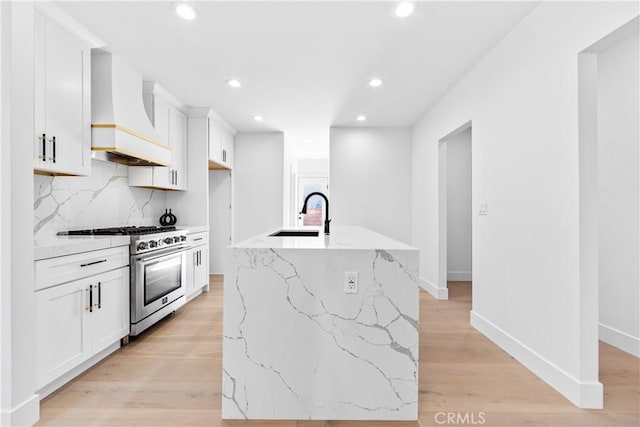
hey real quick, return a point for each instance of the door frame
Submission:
(296, 208)
(442, 291)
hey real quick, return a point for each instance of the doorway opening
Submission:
(455, 212)
(315, 208)
(309, 175)
(609, 204)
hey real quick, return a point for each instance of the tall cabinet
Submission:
(221, 151)
(62, 100)
(168, 118)
(206, 202)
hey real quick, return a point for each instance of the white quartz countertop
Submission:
(68, 245)
(193, 228)
(341, 237)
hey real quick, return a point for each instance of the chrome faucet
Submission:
(326, 210)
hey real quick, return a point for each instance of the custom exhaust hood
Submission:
(120, 128)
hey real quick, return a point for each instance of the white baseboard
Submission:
(619, 339)
(582, 394)
(65, 378)
(435, 291)
(25, 414)
(459, 276)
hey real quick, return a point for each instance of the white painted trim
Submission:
(210, 112)
(25, 414)
(150, 87)
(459, 276)
(66, 21)
(435, 291)
(619, 339)
(198, 112)
(587, 395)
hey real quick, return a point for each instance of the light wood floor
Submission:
(171, 376)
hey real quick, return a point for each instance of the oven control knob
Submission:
(142, 246)
(183, 238)
(160, 242)
(168, 240)
(153, 243)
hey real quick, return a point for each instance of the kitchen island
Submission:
(298, 346)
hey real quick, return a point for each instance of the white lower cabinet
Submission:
(197, 264)
(79, 319)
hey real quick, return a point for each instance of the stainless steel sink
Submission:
(295, 233)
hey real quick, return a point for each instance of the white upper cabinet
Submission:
(178, 131)
(62, 89)
(220, 145)
(170, 122)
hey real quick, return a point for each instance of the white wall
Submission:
(258, 170)
(370, 179)
(459, 206)
(523, 102)
(619, 213)
(312, 166)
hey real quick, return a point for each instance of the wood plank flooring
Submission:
(171, 376)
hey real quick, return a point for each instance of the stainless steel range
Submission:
(157, 268)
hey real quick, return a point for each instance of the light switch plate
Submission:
(351, 282)
(481, 208)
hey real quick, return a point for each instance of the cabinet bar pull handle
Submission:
(176, 177)
(44, 147)
(93, 263)
(90, 298)
(199, 238)
(198, 257)
(54, 149)
(99, 295)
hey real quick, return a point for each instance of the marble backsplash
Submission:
(103, 199)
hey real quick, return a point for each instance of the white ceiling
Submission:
(304, 65)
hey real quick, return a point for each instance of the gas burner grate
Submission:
(119, 231)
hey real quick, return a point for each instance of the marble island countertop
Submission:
(341, 237)
(300, 343)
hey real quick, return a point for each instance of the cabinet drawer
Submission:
(197, 239)
(54, 271)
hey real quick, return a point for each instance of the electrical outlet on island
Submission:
(351, 282)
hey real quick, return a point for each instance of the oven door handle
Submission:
(145, 258)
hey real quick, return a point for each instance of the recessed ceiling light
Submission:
(185, 10)
(404, 9)
(361, 118)
(375, 82)
(258, 118)
(234, 82)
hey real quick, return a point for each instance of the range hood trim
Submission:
(130, 132)
(129, 154)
